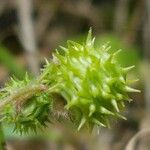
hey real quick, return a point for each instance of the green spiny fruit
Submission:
(27, 112)
(91, 81)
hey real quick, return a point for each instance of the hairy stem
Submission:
(25, 93)
(22, 94)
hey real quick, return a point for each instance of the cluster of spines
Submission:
(91, 81)
(29, 111)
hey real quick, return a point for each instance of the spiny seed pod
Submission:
(91, 81)
(28, 112)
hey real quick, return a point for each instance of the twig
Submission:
(27, 35)
(131, 144)
(120, 16)
(46, 13)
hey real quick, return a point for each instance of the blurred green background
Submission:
(31, 29)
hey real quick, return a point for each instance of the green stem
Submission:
(2, 139)
(25, 93)
(22, 94)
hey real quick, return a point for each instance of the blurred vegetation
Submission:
(123, 23)
(8, 60)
